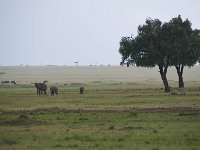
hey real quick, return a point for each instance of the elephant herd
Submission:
(42, 89)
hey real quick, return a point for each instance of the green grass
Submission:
(100, 131)
(107, 116)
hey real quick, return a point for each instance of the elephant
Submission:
(81, 90)
(41, 87)
(54, 90)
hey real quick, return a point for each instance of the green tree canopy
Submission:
(183, 42)
(172, 43)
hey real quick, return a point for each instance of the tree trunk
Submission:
(179, 70)
(181, 83)
(165, 82)
(163, 74)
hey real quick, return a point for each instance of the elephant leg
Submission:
(52, 93)
(40, 91)
(44, 92)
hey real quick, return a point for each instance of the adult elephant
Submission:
(54, 90)
(41, 87)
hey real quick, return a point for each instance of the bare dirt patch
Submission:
(181, 110)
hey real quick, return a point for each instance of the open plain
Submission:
(121, 108)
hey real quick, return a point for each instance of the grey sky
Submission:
(60, 32)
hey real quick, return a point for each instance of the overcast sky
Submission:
(60, 32)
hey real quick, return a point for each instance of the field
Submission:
(122, 108)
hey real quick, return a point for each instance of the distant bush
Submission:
(13, 82)
(77, 84)
(8, 82)
(1, 73)
(5, 81)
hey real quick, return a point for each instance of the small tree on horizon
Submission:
(76, 62)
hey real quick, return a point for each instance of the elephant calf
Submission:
(54, 90)
(81, 90)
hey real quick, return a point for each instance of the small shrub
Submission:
(23, 116)
(121, 139)
(9, 142)
(58, 145)
(155, 131)
(132, 114)
(111, 128)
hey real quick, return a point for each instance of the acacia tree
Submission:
(196, 43)
(147, 49)
(183, 42)
(173, 43)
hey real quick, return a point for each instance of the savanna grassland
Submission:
(121, 108)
